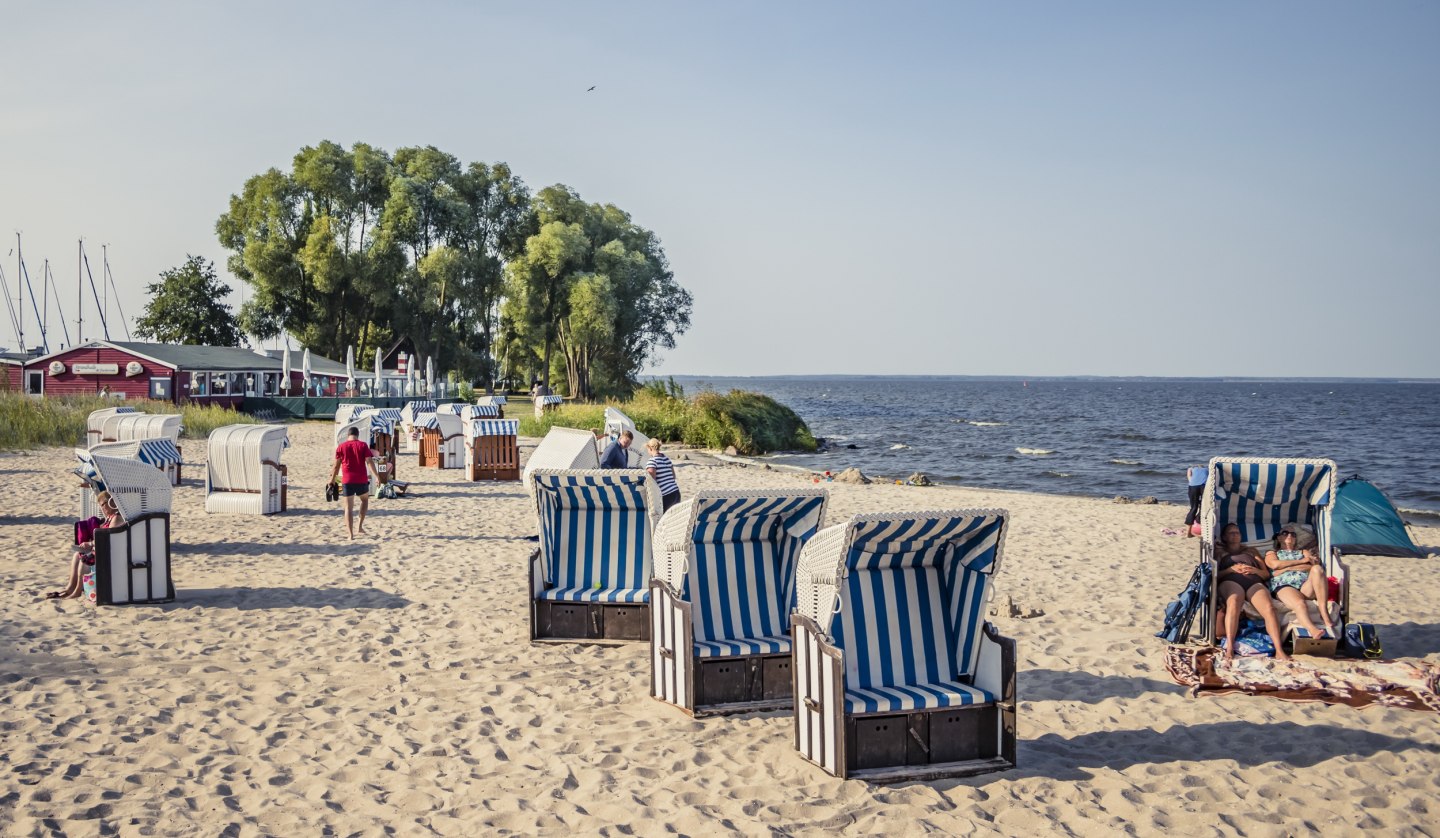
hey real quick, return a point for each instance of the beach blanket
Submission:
(1406, 684)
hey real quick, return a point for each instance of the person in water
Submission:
(1243, 576)
(1297, 576)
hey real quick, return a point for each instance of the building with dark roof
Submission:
(169, 372)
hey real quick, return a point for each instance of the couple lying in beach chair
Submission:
(872, 630)
(1258, 517)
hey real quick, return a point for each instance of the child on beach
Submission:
(82, 561)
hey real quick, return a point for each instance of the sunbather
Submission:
(1298, 575)
(84, 556)
(1242, 576)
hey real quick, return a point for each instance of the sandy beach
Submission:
(304, 684)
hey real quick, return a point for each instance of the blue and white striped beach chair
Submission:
(897, 674)
(409, 433)
(1261, 496)
(589, 578)
(722, 595)
(544, 403)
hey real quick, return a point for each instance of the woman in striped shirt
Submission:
(663, 471)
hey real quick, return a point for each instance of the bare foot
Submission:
(1281, 656)
(1229, 647)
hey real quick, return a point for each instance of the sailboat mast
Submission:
(19, 293)
(104, 327)
(110, 278)
(9, 303)
(79, 293)
(52, 288)
(25, 277)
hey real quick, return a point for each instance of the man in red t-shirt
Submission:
(352, 457)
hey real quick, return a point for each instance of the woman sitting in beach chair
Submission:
(1243, 578)
(82, 562)
(1298, 575)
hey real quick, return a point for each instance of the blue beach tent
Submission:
(1364, 522)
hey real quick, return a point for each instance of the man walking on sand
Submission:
(352, 457)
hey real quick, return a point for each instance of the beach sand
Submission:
(303, 684)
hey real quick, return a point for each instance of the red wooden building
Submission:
(166, 372)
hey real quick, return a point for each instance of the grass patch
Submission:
(28, 422)
(751, 422)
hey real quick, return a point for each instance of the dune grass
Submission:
(28, 422)
(751, 422)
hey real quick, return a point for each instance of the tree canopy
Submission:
(359, 247)
(185, 307)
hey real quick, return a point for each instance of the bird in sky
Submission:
(592, 87)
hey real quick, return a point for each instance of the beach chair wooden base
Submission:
(439, 452)
(493, 458)
(709, 686)
(584, 622)
(892, 747)
(132, 562)
(590, 622)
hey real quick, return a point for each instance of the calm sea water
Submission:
(1108, 438)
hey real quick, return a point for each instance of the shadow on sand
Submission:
(1250, 744)
(273, 548)
(259, 599)
(1060, 685)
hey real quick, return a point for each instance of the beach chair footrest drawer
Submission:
(922, 738)
(593, 620)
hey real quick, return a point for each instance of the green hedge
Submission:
(751, 422)
(28, 422)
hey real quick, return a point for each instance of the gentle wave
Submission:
(898, 447)
(1424, 513)
(987, 424)
(1034, 452)
(1058, 474)
(1127, 462)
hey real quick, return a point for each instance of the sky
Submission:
(902, 188)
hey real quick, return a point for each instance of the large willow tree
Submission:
(594, 286)
(358, 248)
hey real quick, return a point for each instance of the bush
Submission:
(28, 422)
(465, 392)
(753, 423)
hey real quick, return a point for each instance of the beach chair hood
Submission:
(238, 453)
(615, 422)
(123, 427)
(139, 489)
(562, 448)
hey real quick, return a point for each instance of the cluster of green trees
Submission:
(361, 247)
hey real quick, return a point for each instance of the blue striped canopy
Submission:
(381, 424)
(741, 575)
(391, 413)
(912, 607)
(1262, 495)
(596, 534)
(159, 452)
(427, 420)
(494, 427)
(452, 407)
(549, 399)
(482, 411)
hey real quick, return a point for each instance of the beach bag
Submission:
(1360, 640)
(386, 490)
(332, 491)
(85, 530)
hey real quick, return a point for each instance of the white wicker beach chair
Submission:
(615, 422)
(897, 674)
(544, 403)
(161, 453)
(497, 402)
(244, 474)
(132, 561)
(562, 448)
(492, 448)
(346, 412)
(721, 597)
(1260, 496)
(409, 434)
(96, 420)
(123, 427)
(589, 576)
(442, 440)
